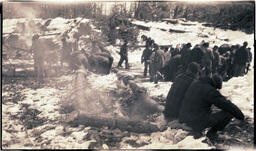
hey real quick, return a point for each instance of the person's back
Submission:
(185, 54)
(196, 55)
(241, 56)
(178, 90)
(171, 67)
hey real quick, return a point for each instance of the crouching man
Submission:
(196, 108)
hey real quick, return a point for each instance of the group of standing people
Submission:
(226, 60)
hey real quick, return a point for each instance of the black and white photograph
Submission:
(111, 75)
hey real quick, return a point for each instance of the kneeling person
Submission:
(196, 108)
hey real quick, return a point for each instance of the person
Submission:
(178, 90)
(176, 50)
(75, 45)
(240, 59)
(207, 60)
(248, 64)
(185, 54)
(157, 61)
(216, 60)
(37, 48)
(171, 68)
(196, 54)
(123, 55)
(196, 106)
(65, 51)
(145, 58)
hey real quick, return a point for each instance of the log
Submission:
(118, 122)
(176, 31)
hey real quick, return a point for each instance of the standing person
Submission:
(196, 109)
(207, 60)
(124, 55)
(145, 58)
(38, 49)
(248, 64)
(157, 61)
(240, 59)
(185, 54)
(216, 60)
(65, 51)
(178, 90)
(75, 46)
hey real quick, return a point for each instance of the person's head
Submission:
(152, 42)
(155, 46)
(206, 44)
(63, 39)
(217, 81)
(189, 45)
(215, 48)
(166, 48)
(143, 37)
(35, 37)
(245, 44)
(193, 68)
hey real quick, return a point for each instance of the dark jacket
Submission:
(196, 107)
(185, 55)
(171, 67)
(196, 55)
(241, 56)
(176, 94)
(146, 54)
(124, 51)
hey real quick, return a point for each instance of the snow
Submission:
(239, 89)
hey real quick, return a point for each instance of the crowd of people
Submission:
(226, 60)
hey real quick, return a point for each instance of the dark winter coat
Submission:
(196, 55)
(146, 54)
(171, 68)
(196, 107)
(241, 56)
(124, 51)
(185, 54)
(176, 94)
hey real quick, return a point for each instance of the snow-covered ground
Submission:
(49, 98)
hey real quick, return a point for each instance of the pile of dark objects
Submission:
(226, 60)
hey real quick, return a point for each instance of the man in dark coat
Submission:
(171, 68)
(207, 60)
(240, 59)
(216, 60)
(196, 108)
(145, 58)
(178, 90)
(185, 54)
(123, 55)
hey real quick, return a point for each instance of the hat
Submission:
(206, 44)
(245, 43)
(189, 45)
(217, 80)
